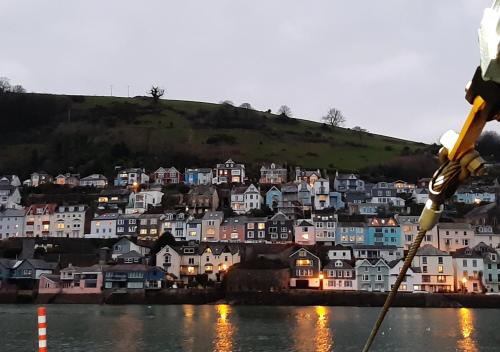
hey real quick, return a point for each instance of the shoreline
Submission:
(282, 298)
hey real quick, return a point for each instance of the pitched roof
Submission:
(346, 264)
(429, 250)
(131, 254)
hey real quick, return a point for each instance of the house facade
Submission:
(11, 223)
(348, 182)
(94, 180)
(210, 225)
(131, 177)
(279, 229)
(201, 199)
(305, 233)
(244, 199)
(69, 221)
(305, 269)
(321, 192)
(272, 174)
(166, 176)
(103, 226)
(383, 231)
(40, 220)
(339, 274)
(372, 275)
(202, 176)
(436, 267)
(325, 227)
(229, 172)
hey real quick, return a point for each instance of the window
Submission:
(441, 279)
(464, 263)
(440, 269)
(250, 234)
(440, 260)
(303, 262)
(379, 277)
(209, 268)
(424, 268)
(366, 278)
(474, 263)
(424, 260)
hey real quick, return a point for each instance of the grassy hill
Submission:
(92, 134)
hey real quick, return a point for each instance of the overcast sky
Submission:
(394, 67)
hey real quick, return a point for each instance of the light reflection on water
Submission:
(224, 331)
(323, 337)
(466, 321)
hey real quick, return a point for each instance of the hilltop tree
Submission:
(18, 89)
(4, 85)
(156, 93)
(334, 117)
(285, 111)
(246, 106)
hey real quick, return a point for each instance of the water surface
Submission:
(79, 328)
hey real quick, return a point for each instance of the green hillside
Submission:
(92, 134)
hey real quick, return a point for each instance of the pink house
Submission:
(73, 280)
(305, 233)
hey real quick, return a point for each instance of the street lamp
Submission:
(464, 282)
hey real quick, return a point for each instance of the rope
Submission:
(390, 298)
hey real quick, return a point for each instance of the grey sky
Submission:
(394, 67)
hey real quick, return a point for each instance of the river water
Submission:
(94, 328)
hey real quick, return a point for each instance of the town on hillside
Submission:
(196, 228)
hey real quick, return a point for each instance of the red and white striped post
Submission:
(42, 329)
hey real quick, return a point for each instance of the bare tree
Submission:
(156, 93)
(17, 89)
(246, 106)
(4, 85)
(285, 111)
(334, 117)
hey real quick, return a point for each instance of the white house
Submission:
(436, 267)
(169, 259)
(69, 221)
(340, 252)
(413, 278)
(141, 201)
(11, 223)
(420, 195)
(193, 230)
(244, 199)
(94, 180)
(452, 236)
(387, 252)
(103, 226)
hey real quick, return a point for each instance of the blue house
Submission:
(336, 200)
(383, 231)
(201, 176)
(350, 233)
(273, 198)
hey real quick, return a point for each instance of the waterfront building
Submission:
(339, 274)
(468, 268)
(413, 278)
(452, 236)
(217, 258)
(372, 275)
(436, 267)
(73, 280)
(304, 269)
(491, 274)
